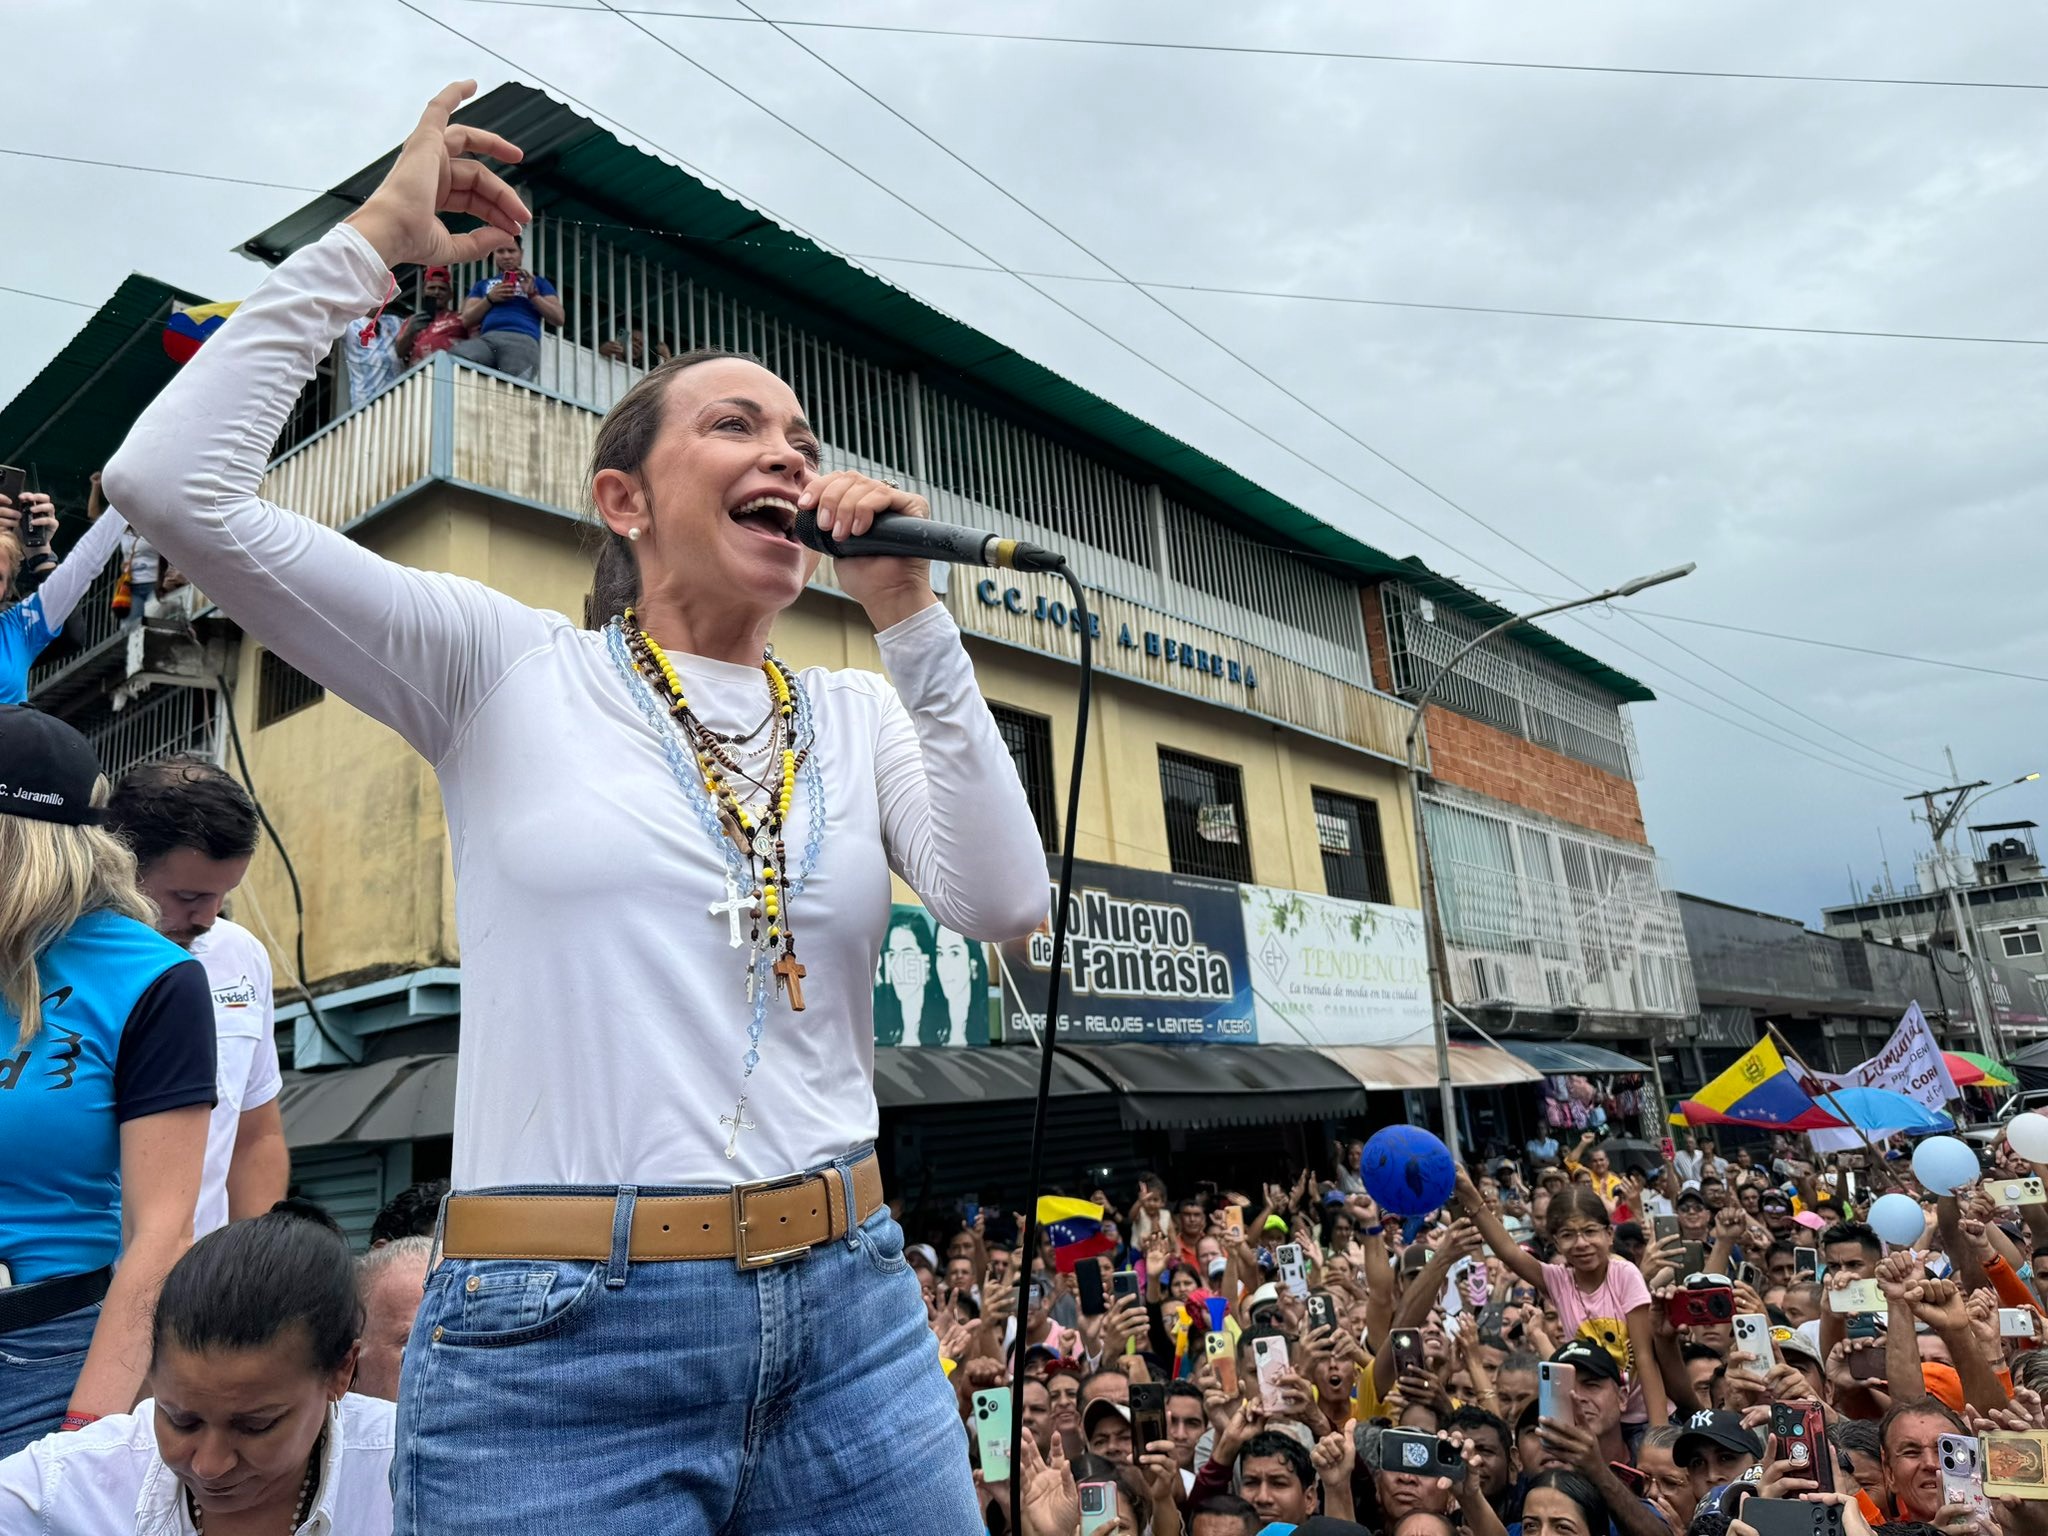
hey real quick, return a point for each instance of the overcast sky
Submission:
(1882, 493)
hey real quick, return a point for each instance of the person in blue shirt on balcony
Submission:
(505, 314)
(28, 626)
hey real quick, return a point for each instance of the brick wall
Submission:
(1493, 762)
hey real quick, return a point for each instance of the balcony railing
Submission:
(91, 633)
(448, 419)
(168, 721)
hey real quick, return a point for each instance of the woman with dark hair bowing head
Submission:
(250, 1425)
(672, 856)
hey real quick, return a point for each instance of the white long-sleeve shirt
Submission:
(604, 1012)
(110, 1478)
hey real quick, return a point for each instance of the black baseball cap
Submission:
(1719, 1427)
(47, 770)
(1775, 1200)
(1589, 1358)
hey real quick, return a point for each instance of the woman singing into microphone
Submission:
(672, 1299)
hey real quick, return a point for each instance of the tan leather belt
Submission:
(757, 1224)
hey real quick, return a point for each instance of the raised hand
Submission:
(431, 177)
(1051, 1503)
(1334, 1456)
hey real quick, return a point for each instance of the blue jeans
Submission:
(680, 1398)
(38, 1368)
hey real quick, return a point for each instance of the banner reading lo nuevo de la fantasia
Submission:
(1150, 957)
(1330, 972)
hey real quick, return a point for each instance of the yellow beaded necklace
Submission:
(762, 840)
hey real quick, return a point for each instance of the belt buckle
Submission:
(743, 1257)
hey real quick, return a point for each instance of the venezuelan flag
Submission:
(190, 325)
(1759, 1090)
(1075, 1228)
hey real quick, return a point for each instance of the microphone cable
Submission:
(1048, 1036)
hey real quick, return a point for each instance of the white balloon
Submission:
(1897, 1219)
(2028, 1134)
(1943, 1164)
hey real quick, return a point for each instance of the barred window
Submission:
(282, 689)
(1205, 825)
(1029, 738)
(1354, 857)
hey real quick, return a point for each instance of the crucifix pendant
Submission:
(734, 904)
(739, 1122)
(790, 973)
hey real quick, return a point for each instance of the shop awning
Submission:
(1552, 1057)
(910, 1078)
(395, 1100)
(1176, 1087)
(1414, 1066)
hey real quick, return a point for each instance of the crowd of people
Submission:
(1405, 1390)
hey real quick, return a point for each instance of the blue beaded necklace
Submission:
(737, 860)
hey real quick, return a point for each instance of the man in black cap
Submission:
(1591, 1442)
(1716, 1449)
(1695, 1216)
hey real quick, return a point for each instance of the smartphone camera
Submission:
(986, 1408)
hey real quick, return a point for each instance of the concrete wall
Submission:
(362, 815)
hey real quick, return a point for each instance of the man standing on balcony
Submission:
(193, 831)
(438, 324)
(506, 312)
(30, 625)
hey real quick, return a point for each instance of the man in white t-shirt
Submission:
(193, 830)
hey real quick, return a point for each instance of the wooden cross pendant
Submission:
(790, 973)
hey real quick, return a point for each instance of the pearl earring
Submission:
(633, 534)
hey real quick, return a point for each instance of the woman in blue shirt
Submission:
(29, 625)
(106, 1086)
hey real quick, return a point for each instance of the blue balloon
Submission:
(1408, 1171)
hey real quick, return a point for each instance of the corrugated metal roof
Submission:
(68, 420)
(576, 169)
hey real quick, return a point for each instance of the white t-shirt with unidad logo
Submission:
(238, 972)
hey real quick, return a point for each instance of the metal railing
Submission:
(1504, 683)
(362, 458)
(1539, 919)
(169, 721)
(92, 629)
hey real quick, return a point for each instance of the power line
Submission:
(1116, 341)
(159, 170)
(1247, 50)
(1245, 362)
(30, 293)
(1604, 317)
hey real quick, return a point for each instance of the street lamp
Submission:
(1430, 937)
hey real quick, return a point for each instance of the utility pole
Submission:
(1940, 822)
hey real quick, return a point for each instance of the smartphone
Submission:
(1857, 1296)
(1702, 1307)
(12, 483)
(1088, 1283)
(1124, 1283)
(1750, 1276)
(1802, 1440)
(1098, 1506)
(1233, 1222)
(1148, 1414)
(1663, 1228)
(992, 1433)
(2018, 1191)
(1752, 1344)
(1293, 1268)
(1865, 1331)
(1628, 1477)
(1322, 1310)
(1423, 1455)
(1792, 1517)
(1224, 1358)
(1962, 1473)
(1693, 1260)
(970, 1207)
(1806, 1263)
(1554, 1384)
(1269, 1359)
(1406, 1344)
(1037, 1294)
(2016, 1323)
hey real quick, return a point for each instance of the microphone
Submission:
(919, 538)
